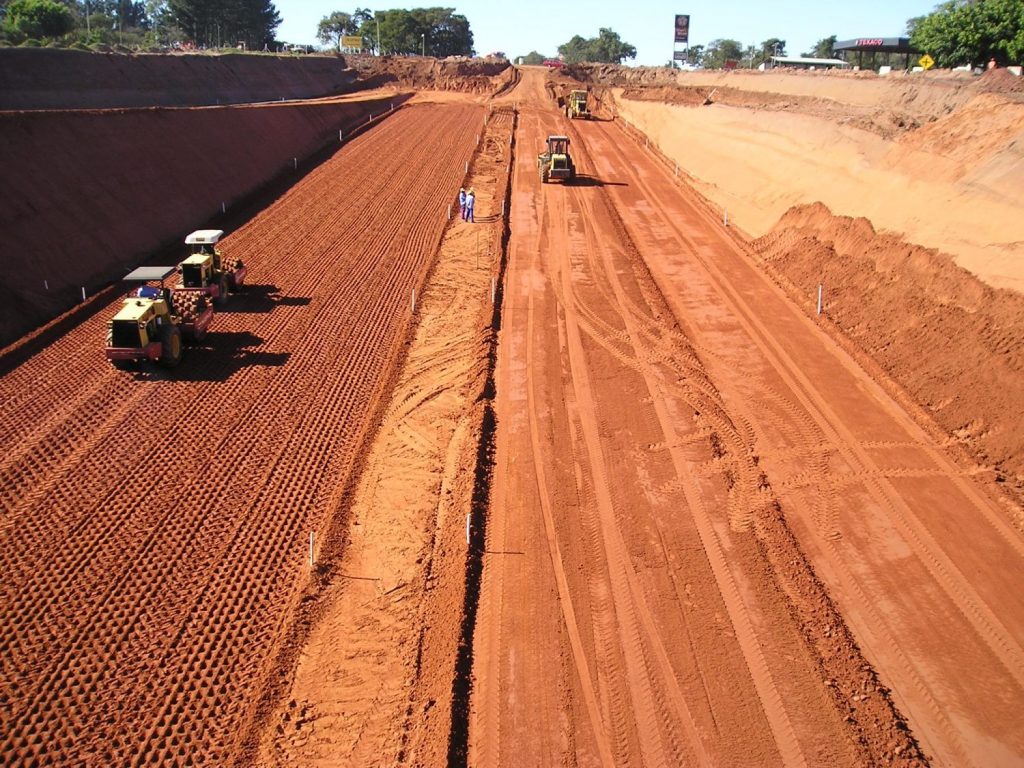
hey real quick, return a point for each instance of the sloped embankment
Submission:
(85, 195)
(951, 341)
(32, 78)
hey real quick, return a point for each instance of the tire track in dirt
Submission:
(639, 358)
(931, 554)
(643, 720)
(194, 595)
(653, 687)
(564, 594)
(837, 559)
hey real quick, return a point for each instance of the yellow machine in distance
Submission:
(576, 106)
(206, 270)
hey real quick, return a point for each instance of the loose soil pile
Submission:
(373, 683)
(462, 75)
(954, 343)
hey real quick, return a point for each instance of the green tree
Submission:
(437, 31)
(533, 58)
(218, 22)
(773, 46)
(971, 32)
(446, 33)
(574, 51)
(718, 52)
(606, 48)
(331, 28)
(610, 48)
(38, 19)
(823, 49)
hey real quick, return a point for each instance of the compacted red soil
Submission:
(154, 526)
(706, 525)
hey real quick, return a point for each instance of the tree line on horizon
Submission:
(136, 24)
(956, 33)
(437, 32)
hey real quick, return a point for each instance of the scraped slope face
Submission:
(955, 344)
(940, 160)
(87, 194)
(64, 79)
(456, 74)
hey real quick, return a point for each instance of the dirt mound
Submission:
(687, 96)
(1001, 81)
(41, 78)
(462, 75)
(955, 344)
(985, 126)
(621, 77)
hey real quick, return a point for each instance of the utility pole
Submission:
(423, 49)
(376, 18)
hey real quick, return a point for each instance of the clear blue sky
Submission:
(520, 26)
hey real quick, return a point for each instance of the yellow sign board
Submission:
(351, 41)
(926, 61)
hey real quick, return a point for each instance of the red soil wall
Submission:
(32, 78)
(955, 344)
(85, 196)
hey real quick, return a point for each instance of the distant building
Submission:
(803, 62)
(873, 46)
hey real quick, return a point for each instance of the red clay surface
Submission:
(692, 481)
(953, 342)
(714, 531)
(154, 527)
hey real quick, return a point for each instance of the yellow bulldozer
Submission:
(555, 162)
(576, 106)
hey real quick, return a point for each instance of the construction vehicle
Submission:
(576, 106)
(555, 162)
(206, 270)
(154, 319)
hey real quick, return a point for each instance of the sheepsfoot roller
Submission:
(555, 162)
(153, 320)
(206, 270)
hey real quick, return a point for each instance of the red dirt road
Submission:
(153, 527)
(709, 526)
